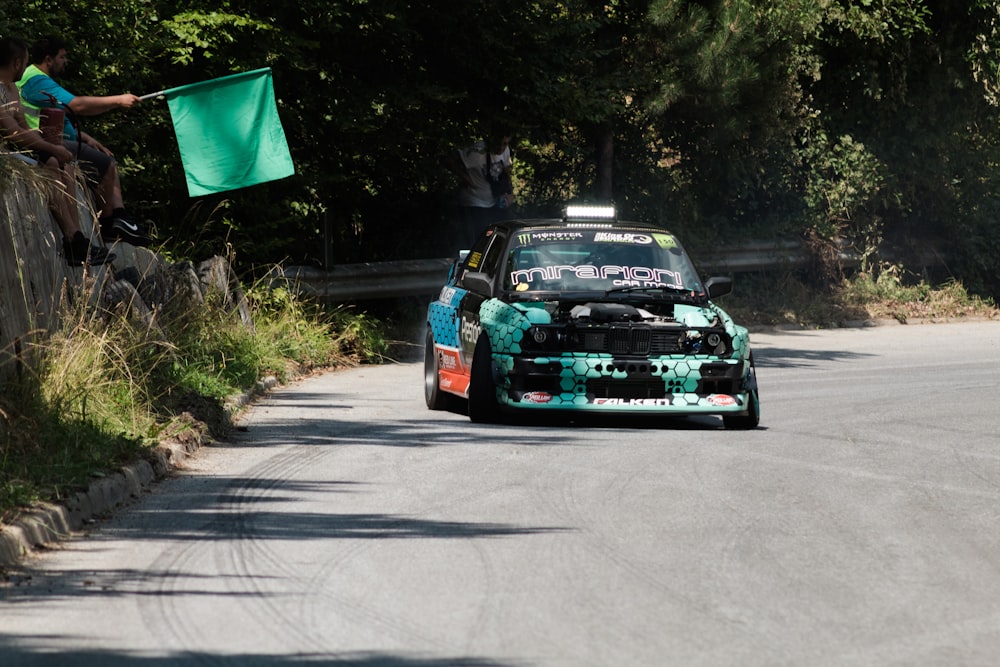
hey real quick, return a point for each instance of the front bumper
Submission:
(603, 383)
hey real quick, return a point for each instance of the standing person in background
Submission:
(55, 158)
(38, 91)
(486, 193)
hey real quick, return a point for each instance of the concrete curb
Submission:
(48, 523)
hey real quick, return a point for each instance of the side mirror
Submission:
(479, 283)
(717, 286)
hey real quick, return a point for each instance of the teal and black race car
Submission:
(586, 314)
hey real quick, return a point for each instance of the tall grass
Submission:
(892, 294)
(888, 293)
(106, 388)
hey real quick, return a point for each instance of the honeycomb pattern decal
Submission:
(504, 324)
(531, 379)
(506, 327)
(680, 380)
(441, 316)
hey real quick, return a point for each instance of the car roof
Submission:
(529, 223)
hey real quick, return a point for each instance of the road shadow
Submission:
(782, 357)
(20, 653)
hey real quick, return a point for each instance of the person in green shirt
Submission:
(39, 91)
(57, 159)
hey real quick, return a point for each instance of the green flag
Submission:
(229, 133)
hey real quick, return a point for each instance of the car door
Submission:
(479, 277)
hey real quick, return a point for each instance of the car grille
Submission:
(630, 341)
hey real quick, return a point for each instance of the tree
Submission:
(873, 121)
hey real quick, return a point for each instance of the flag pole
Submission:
(162, 93)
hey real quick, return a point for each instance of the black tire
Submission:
(435, 398)
(483, 406)
(752, 419)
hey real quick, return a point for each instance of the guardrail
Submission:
(379, 280)
(370, 280)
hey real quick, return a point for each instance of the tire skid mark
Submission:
(251, 549)
(315, 610)
(309, 592)
(564, 502)
(164, 611)
(486, 608)
(316, 615)
(249, 552)
(560, 496)
(161, 600)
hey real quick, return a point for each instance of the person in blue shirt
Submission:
(55, 158)
(40, 91)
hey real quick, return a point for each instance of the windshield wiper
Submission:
(649, 288)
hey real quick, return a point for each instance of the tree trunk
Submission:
(605, 145)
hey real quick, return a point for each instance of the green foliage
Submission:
(843, 181)
(888, 292)
(723, 119)
(984, 52)
(104, 389)
(891, 293)
(197, 34)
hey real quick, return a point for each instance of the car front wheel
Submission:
(483, 407)
(752, 418)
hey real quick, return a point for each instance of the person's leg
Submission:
(102, 174)
(466, 222)
(67, 216)
(77, 248)
(475, 220)
(109, 191)
(101, 171)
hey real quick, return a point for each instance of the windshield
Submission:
(597, 260)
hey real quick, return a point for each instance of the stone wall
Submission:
(37, 287)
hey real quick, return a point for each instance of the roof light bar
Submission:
(578, 212)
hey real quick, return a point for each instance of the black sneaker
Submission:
(78, 251)
(121, 228)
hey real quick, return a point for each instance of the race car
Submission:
(586, 313)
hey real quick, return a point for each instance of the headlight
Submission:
(537, 338)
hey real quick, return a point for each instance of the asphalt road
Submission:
(860, 525)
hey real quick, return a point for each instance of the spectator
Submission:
(77, 248)
(39, 90)
(485, 193)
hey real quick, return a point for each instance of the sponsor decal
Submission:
(536, 397)
(721, 400)
(470, 330)
(621, 275)
(473, 260)
(621, 237)
(447, 294)
(665, 241)
(632, 401)
(448, 360)
(541, 237)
